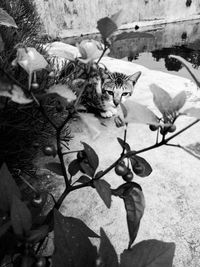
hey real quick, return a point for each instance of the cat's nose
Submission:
(116, 102)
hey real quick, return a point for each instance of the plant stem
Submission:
(125, 135)
(80, 94)
(182, 130)
(185, 149)
(104, 51)
(61, 158)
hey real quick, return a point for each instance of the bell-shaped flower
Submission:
(90, 50)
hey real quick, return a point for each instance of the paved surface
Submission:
(172, 190)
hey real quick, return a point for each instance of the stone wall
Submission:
(61, 17)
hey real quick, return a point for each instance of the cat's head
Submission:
(117, 87)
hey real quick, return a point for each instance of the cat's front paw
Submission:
(106, 114)
(109, 113)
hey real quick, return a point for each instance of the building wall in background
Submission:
(62, 17)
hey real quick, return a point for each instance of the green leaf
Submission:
(74, 167)
(123, 144)
(6, 19)
(104, 191)
(124, 189)
(20, 217)
(193, 72)
(86, 168)
(138, 113)
(134, 204)
(38, 234)
(8, 188)
(193, 112)
(92, 157)
(98, 175)
(178, 101)
(161, 99)
(107, 253)
(140, 166)
(17, 95)
(2, 45)
(149, 253)
(4, 228)
(106, 27)
(55, 167)
(62, 90)
(82, 227)
(83, 179)
(72, 247)
(118, 17)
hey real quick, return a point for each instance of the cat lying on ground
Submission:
(104, 90)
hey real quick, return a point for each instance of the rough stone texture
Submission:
(172, 190)
(65, 15)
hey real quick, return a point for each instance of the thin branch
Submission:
(181, 131)
(104, 51)
(185, 149)
(125, 135)
(28, 184)
(61, 158)
(80, 94)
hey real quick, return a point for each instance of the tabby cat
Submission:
(104, 91)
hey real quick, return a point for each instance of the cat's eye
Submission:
(125, 94)
(110, 92)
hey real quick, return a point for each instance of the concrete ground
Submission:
(172, 190)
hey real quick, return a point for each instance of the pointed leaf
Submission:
(134, 204)
(82, 227)
(123, 144)
(193, 112)
(178, 101)
(83, 179)
(107, 253)
(54, 167)
(104, 191)
(124, 189)
(38, 234)
(30, 60)
(138, 113)
(20, 217)
(93, 158)
(118, 17)
(161, 99)
(58, 50)
(16, 95)
(98, 175)
(62, 90)
(106, 26)
(8, 188)
(193, 72)
(86, 168)
(74, 167)
(72, 246)
(140, 166)
(4, 228)
(6, 19)
(149, 253)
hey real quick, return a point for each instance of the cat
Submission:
(116, 89)
(104, 91)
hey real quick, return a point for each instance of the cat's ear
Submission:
(134, 77)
